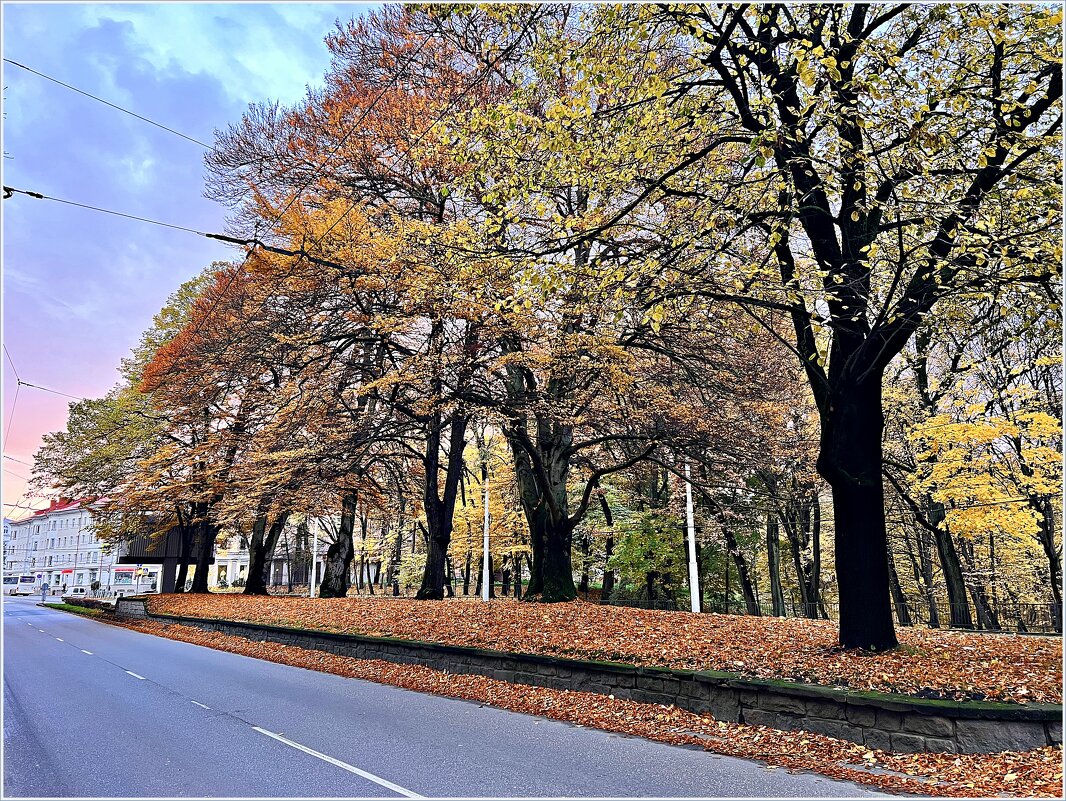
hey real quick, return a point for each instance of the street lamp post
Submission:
(693, 567)
(314, 560)
(485, 584)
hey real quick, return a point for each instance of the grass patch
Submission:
(77, 610)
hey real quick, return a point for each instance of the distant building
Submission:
(7, 544)
(58, 547)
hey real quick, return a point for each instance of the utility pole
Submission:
(314, 559)
(487, 575)
(693, 567)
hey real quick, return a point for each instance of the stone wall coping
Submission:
(988, 710)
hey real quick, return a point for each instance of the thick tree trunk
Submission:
(850, 459)
(773, 559)
(557, 573)
(433, 578)
(336, 577)
(260, 550)
(466, 575)
(208, 534)
(546, 510)
(184, 557)
(440, 511)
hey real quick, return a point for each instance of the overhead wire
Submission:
(11, 414)
(108, 103)
(10, 190)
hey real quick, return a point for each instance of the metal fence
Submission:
(1022, 618)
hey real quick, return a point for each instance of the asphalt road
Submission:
(96, 710)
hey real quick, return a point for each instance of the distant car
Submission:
(78, 592)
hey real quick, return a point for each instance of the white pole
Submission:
(486, 575)
(693, 567)
(314, 559)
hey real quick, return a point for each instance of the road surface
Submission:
(96, 710)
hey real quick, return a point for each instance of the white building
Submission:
(58, 547)
(7, 544)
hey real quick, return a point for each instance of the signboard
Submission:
(124, 569)
(66, 571)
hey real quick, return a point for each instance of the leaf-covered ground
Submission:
(931, 663)
(1030, 774)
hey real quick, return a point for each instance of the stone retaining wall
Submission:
(878, 720)
(131, 607)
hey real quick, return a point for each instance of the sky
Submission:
(79, 287)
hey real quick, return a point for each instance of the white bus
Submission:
(20, 585)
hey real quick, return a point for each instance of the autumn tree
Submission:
(850, 166)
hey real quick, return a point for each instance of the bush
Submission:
(239, 582)
(222, 583)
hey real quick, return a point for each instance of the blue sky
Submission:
(79, 287)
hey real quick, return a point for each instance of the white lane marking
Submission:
(205, 706)
(90, 653)
(41, 630)
(135, 675)
(350, 768)
(60, 639)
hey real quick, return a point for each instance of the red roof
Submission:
(62, 505)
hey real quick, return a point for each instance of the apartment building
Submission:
(57, 546)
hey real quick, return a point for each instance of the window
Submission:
(80, 579)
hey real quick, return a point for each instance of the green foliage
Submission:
(650, 542)
(412, 566)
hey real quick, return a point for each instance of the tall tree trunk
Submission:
(1046, 537)
(924, 575)
(608, 574)
(850, 459)
(773, 559)
(958, 604)
(466, 575)
(260, 550)
(743, 574)
(583, 587)
(336, 577)
(903, 612)
(986, 616)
